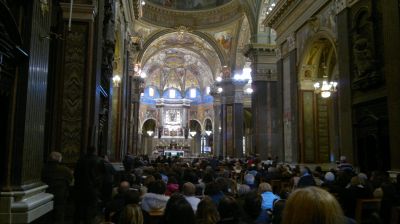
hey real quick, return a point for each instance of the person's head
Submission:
(249, 179)
(356, 181)
(312, 205)
(123, 187)
(343, 159)
(55, 156)
(149, 179)
(329, 177)
(178, 210)
(135, 212)
(243, 190)
(212, 188)
(223, 184)
(157, 187)
(304, 170)
(207, 212)
(252, 204)
(188, 189)
(132, 197)
(228, 208)
(264, 187)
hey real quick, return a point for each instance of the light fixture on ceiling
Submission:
(143, 2)
(218, 79)
(219, 90)
(325, 88)
(116, 80)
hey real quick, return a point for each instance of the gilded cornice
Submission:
(290, 15)
(282, 8)
(199, 19)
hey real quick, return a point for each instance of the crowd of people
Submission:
(211, 191)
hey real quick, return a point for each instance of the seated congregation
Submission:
(212, 191)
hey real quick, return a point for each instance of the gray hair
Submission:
(55, 156)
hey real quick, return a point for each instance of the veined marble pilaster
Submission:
(232, 117)
(137, 87)
(265, 100)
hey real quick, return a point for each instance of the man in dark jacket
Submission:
(59, 178)
(88, 174)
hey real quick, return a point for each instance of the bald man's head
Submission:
(124, 186)
(189, 189)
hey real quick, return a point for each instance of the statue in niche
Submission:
(363, 58)
(365, 63)
(172, 116)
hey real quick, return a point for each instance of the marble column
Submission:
(217, 126)
(137, 87)
(22, 194)
(232, 117)
(344, 88)
(266, 101)
(391, 36)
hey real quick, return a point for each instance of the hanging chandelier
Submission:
(326, 87)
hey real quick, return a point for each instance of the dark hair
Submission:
(229, 208)
(208, 177)
(252, 204)
(157, 187)
(207, 212)
(132, 197)
(212, 188)
(223, 184)
(178, 211)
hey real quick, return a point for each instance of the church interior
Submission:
(296, 82)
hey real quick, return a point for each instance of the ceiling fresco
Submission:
(189, 43)
(190, 4)
(177, 68)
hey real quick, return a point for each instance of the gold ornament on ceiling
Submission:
(174, 60)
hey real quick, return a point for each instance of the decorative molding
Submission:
(351, 2)
(340, 5)
(278, 52)
(265, 75)
(25, 206)
(281, 8)
(293, 16)
(254, 49)
(291, 39)
(79, 12)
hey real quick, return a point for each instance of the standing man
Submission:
(88, 174)
(59, 178)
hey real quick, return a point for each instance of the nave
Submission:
(289, 83)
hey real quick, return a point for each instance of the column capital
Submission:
(135, 43)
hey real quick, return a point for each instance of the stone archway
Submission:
(317, 115)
